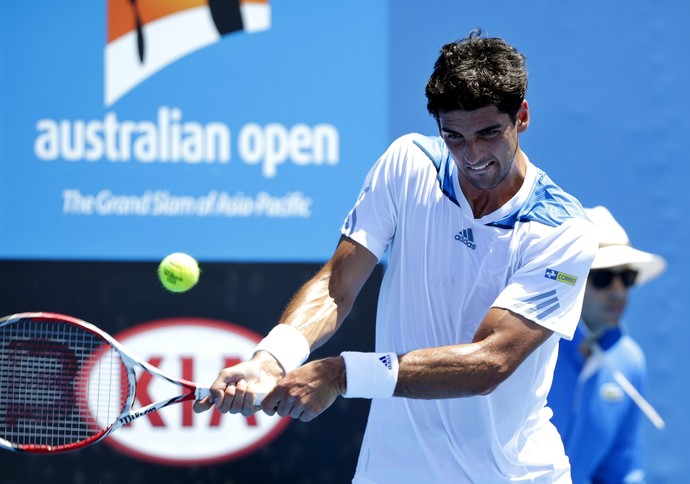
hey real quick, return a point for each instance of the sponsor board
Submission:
(195, 349)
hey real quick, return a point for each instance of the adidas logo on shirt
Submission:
(386, 360)
(466, 237)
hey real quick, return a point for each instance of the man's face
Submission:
(604, 306)
(483, 143)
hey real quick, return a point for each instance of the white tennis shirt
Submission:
(445, 270)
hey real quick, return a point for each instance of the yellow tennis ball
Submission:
(178, 272)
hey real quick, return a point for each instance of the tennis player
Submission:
(601, 425)
(487, 262)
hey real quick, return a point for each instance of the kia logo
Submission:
(194, 349)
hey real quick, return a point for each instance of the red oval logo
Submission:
(194, 349)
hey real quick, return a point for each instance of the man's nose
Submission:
(470, 152)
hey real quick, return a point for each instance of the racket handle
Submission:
(205, 392)
(260, 393)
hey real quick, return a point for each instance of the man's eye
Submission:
(489, 134)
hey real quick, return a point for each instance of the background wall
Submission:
(609, 102)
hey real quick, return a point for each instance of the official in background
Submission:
(598, 420)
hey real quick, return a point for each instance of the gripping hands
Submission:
(260, 384)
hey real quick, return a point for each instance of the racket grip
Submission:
(205, 392)
(261, 392)
(202, 393)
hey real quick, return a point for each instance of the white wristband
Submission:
(287, 345)
(370, 375)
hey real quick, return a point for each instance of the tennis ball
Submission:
(178, 272)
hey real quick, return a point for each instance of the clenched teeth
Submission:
(477, 168)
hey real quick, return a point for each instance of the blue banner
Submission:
(230, 130)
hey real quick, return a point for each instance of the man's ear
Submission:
(523, 117)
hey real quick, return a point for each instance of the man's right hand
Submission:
(236, 387)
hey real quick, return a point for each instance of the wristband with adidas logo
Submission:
(370, 375)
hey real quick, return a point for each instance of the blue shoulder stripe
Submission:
(436, 150)
(547, 204)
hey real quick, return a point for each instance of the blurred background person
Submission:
(599, 421)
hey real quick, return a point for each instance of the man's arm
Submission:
(317, 310)
(501, 344)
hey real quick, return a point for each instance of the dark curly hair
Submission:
(476, 72)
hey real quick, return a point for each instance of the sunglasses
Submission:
(601, 278)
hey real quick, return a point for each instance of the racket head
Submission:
(63, 384)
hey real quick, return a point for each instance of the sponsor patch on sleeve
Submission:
(560, 277)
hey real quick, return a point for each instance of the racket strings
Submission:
(61, 384)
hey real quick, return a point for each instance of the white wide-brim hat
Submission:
(615, 248)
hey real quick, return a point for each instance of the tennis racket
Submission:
(66, 384)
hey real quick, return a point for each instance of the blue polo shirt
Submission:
(600, 425)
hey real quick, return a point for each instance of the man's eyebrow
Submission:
(486, 128)
(490, 128)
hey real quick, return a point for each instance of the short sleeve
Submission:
(372, 221)
(548, 286)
